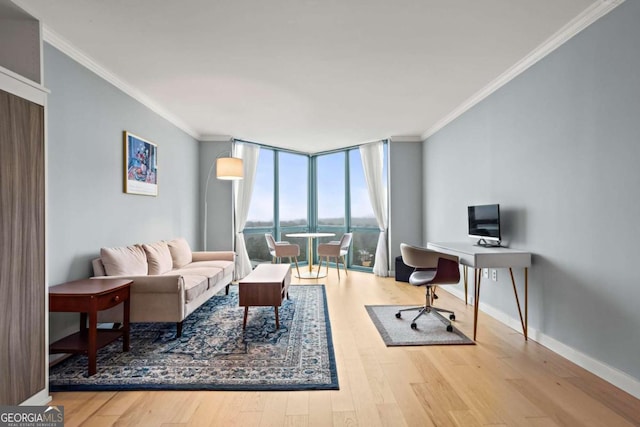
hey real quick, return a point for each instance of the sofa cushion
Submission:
(194, 286)
(124, 261)
(158, 257)
(212, 273)
(226, 266)
(180, 252)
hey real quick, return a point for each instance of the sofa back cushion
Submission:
(180, 252)
(158, 257)
(124, 261)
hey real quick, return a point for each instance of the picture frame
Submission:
(140, 165)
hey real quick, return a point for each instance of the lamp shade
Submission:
(229, 168)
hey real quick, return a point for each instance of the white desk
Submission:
(310, 237)
(479, 257)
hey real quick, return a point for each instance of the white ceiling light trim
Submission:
(85, 60)
(582, 21)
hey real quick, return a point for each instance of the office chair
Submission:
(336, 249)
(280, 249)
(431, 268)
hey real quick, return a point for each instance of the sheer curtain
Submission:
(242, 191)
(372, 162)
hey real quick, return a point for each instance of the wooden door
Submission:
(22, 249)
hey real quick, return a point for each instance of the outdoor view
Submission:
(291, 198)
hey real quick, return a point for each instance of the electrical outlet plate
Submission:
(485, 273)
(494, 274)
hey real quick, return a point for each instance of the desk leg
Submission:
(476, 299)
(523, 322)
(526, 303)
(465, 273)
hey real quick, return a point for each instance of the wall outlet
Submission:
(494, 274)
(485, 273)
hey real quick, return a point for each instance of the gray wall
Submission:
(558, 148)
(219, 198)
(87, 208)
(405, 196)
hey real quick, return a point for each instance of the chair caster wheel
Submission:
(449, 328)
(414, 326)
(452, 317)
(398, 315)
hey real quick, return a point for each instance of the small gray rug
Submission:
(432, 327)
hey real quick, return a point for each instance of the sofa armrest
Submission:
(214, 256)
(166, 284)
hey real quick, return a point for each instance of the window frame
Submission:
(279, 231)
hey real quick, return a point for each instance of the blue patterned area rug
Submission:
(214, 354)
(431, 330)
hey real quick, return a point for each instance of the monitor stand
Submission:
(486, 244)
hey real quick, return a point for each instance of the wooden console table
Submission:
(267, 285)
(87, 297)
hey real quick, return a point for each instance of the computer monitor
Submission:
(484, 224)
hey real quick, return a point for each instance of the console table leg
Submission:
(526, 303)
(515, 292)
(465, 273)
(476, 300)
(275, 308)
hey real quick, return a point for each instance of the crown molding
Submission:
(406, 138)
(215, 138)
(85, 60)
(579, 23)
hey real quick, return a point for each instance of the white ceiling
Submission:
(310, 75)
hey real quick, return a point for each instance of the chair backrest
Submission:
(345, 241)
(416, 257)
(271, 243)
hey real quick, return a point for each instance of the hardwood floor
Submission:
(500, 381)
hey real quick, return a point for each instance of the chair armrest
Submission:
(214, 256)
(169, 284)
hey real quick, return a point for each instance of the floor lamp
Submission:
(227, 168)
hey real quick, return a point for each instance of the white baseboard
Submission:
(39, 399)
(612, 375)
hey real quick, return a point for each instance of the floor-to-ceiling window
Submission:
(344, 206)
(362, 221)
(261, 218)
(279, 203)
(293, 198)
(297, 192)
(330, 183)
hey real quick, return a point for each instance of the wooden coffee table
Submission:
(265, 286)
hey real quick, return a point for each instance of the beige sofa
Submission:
(169, 280)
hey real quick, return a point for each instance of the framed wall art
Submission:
(140, 165)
